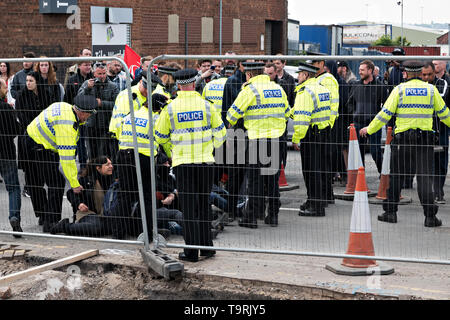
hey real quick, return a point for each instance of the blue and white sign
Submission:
(190, 116)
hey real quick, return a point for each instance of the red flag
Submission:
(132, 59)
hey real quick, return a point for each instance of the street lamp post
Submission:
(400, 3)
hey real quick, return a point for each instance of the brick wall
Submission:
(24, 28)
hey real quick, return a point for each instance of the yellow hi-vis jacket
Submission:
(413, 102)
(213, 91)
(311, 108)
(264, 106)
(122, 108)
(329, 81)
(193, 126)
(161, 90)
(56, 129)
(142, 132)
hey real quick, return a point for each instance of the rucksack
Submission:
(111, 201)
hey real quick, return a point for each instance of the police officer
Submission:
(168, 86)
(327, 80)
(413, 103)
(122, 105)
(193, 126)
(311, 115)
(213, 90)
(52, 140)
(263, 105)
(123, 222)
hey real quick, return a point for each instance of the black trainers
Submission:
(15, 224)
(304, 205)
(432, 222)
(390, 217)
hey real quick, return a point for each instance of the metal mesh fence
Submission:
(225, 174)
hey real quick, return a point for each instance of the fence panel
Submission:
(407, 240)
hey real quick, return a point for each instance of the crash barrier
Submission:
(37, 186)
(326, 236)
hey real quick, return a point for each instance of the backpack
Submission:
(110, 201)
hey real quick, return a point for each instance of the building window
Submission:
(174, 29)
(236, 30)
(207, 30)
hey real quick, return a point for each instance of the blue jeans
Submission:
(9, 172)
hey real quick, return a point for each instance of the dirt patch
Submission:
(110, 281)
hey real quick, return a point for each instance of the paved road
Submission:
(406, 239)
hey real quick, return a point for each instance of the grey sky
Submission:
(381, 11)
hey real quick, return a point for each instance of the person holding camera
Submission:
(205, 74)
(105, 93)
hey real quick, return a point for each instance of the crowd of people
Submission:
(194, 112)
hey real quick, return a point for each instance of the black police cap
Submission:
(85, 103)
(167, 70)
(249, 66)
(185, 76)
(312, 53)
(307, 66)
(413, 65)
(229, 69)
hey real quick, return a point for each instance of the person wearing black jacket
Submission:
(84, 72)
(29, 104)
(105, 91)
(339, 134)
(440, 154)
(235, 171)
(367, 96)
(9, 129)
(87, 206)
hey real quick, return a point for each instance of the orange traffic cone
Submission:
(354, 161)
(385, 169)
(360, 240)
(282, 181)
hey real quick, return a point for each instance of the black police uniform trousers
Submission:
(124, 219)
(327, 193)
(42, 168)
(314, 157)
(232, 161)
(194, 185)
(412, 153)
(264, 162)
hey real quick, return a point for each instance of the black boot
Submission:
(60, 227)
(432, 222)
(390, 217)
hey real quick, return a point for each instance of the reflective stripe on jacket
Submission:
(142, 132)
(56, 128)
(311, 108)
(122, 108)
(213, 92)
(192, 126)
(263, 105)
(413, 102)
(329, 81)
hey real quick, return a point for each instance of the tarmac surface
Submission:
(303, 235)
